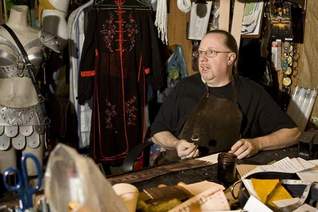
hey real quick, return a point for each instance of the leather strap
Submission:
(29, 65)
(128, 164)
(148, 174)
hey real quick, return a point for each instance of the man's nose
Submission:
(203, 57)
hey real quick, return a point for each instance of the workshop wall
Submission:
(308, 75)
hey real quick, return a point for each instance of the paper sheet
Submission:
(199, 187)
(286, 165)
(305, 208)
(213, 159)
(309, 176)
(243, 169)
(254, 204)
(249, 186)
(286, 202)
(314, 162)
(210, 200)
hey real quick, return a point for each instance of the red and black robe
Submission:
(120, 61)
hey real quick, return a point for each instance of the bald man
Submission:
(217, 110)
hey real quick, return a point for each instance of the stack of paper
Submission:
(289, 165)
(285, 165)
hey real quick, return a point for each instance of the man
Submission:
(218, 111)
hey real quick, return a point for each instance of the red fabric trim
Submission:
(147, 71)
(96, 53)
(88, 73)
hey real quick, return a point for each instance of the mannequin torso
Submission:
(21, 115)
(19, 91)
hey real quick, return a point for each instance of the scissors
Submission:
(22, 185)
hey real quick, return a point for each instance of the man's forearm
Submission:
(165, 139)
(279, 139)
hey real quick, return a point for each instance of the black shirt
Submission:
(261, 114)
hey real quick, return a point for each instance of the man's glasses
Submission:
(210, 53)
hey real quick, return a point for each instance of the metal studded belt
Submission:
(22, 126)
(33, 115)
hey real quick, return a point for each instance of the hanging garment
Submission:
(161, 20)
(120, 58)
(76, 34)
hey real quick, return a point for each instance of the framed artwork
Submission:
(199, 20)
(252, 19)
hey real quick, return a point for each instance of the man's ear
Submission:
(232, 58)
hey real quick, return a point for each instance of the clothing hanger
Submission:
(125, 4)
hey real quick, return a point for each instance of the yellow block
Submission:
(279, 193)
(264, 187)
(270, 190)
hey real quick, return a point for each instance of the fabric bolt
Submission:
(119, 60)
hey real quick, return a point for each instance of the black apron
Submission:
(214, 125)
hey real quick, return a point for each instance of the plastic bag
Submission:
(74, 183)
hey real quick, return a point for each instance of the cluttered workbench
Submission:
(205, 172)
(196, 174)
(178, 185)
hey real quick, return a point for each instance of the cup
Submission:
(226, 172)
(128, 193)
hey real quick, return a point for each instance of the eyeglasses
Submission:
(210, 53)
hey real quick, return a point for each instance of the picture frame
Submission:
(199, 22)
(252, 19)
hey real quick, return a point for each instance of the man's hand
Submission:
(245, 148)
(186, 149)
